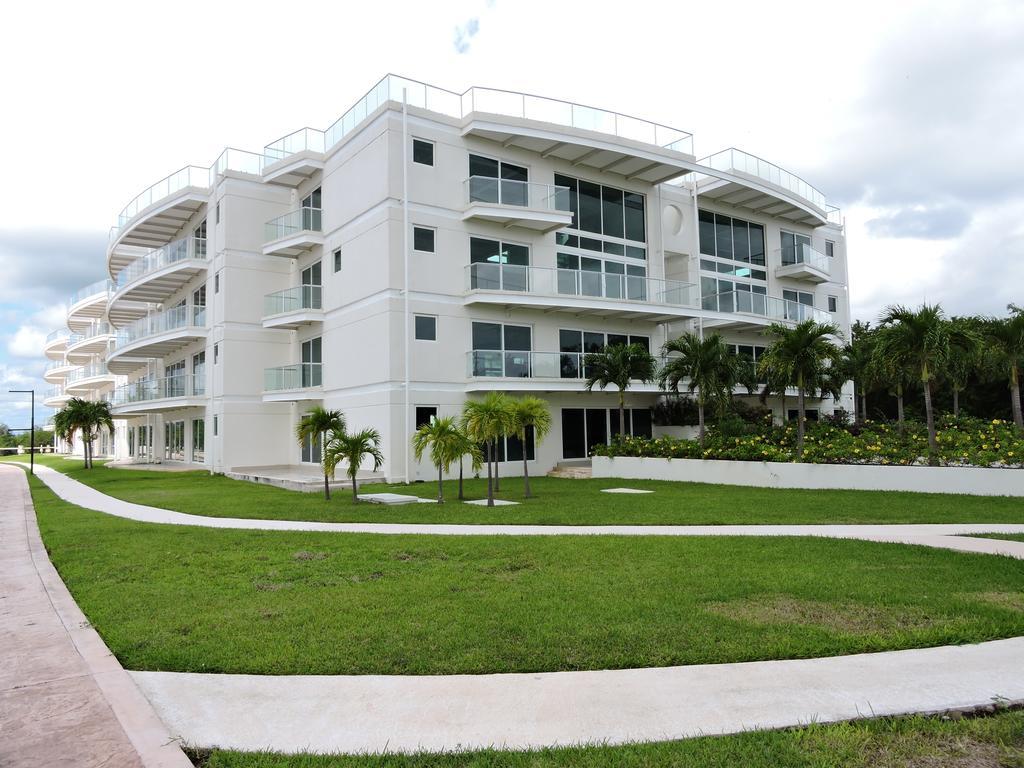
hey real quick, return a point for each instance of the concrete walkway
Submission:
(64, 698)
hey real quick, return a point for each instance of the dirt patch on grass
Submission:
(304, 555)
(950, 753)
(1012, 600)
(842, 617)
(271, 586)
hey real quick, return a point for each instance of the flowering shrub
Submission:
(962, 442)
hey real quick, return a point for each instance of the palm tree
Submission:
(466, 445)
(315, 426)
(444, 439)
(1004, 349)
(530, 414)
(800, 356)
(86, 417)
(858, 364)
(485, 421)
(352, 448)
(963, 360)
(619, 364)
(709, 367)
(920, 341)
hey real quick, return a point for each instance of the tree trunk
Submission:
(490, 482)
(956, 403)
(327, 484)
(800, 418)
(355, 489)
(622, 414)
(526, 472)
(1018, 418)
(700, 421)
(899, 406)
(863, 407)
(494, 455)
(440, 486)
(327, 487)
(461, 497)
(933, 445)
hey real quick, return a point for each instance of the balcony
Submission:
(525, 369)
(93, 340)
(155, 277)
(748, 182)
(740, 309)
(57, 371)
(293, 307)
(86, 379)
(579, 292)
(157, 214)
(88, 304)
(294, 233)
(301, 381)
(539, 207)
(156, 335)
(154, 395)
(55, 344)
(802, 262)
(55, 397)
(294, 158)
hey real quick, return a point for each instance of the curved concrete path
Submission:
(372, 713)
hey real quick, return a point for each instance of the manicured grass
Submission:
(912, 742)
(558, 501)
(1006, 536)
(270, 602)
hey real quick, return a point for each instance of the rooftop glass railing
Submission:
(771, 308)
(60, 333)
(550, 281)
(176, 318)
(526, 194)
(180, 385)
(300, 220)
(57, 365)
(734, 160)
(238, 160)
(297, 376)
(93, 289)
(802, 253)
(53, 392)
(295, 299)
(186, 248)
(302, 140)
(189, 176)
(834, 215)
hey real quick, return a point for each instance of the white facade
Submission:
(527, 230)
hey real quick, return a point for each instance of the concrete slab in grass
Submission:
(391, 498)
(624, 490)
(497, 503)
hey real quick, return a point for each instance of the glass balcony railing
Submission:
(293, 300)
(53, 392)
(176, 318)
(805, 254)
(526, 194)
(93, 289)
(60, 333)
(300, 220)
(186, 248)
(834, 215)
(302, 140)
(525, 364)
(550, 281)
(180, 385)
(91, 371)
(238, 160)
(57, 365)
(95, 329)
(297, 376)
(735, 160)
(189, 176)
(771, 308)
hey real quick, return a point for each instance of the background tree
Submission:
(353, 449)
(1004, 352)
(857, 362)
(530, 414)
(486, 421)
(314, 426)
(800, 356)
(619, 365)
(707, 365)
(443, 438)
(964, 359)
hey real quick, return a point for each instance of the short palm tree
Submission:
(315, 425)
(619, 365)
(707, 365)
(1004, 350)
(352, 448)
(963, 360)
(486, 421)
(85, 417)
(463, 447)
(445, 441)
(858, 364)
(920, 341)
(530, 415)
(801, 357)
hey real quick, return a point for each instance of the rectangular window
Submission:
(426, 328)
(422, 152)
(729, 238)
(216, 218)
(494, 181)
(501, 350)
(830, 248)
(795, 248)
(337, 260)
(311, 449)
(425, 414)
(216, 353)
(198, 440)
(216, 426)
(423, 239)
(605, 211)
(833, 303)
(498, 266)
(216, 283)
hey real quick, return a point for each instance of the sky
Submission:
(908, 115)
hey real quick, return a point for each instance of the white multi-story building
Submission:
(427, 247)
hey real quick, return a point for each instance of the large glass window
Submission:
(312, 358)
(174, 440)
(794, 247)
(498, 265)
(495, 181)
(573, 345)
(605, 211)
(501, 350)
(727, 238)
(198, 440)
(582, 429)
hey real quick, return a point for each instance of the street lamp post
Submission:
(32, 432)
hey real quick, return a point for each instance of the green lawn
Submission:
(269, 602)
(1005, 536)
(912, 742)
(558, 501)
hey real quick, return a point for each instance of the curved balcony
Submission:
(88, 304)
(525, 369)
(87, 379)
(802, 262)
(184, 390)
(55, 397)
(57, 371)
(293, 307)
(159, 274)
(156, 335)
(301, 381)
(294, 233)
(294, 158)
(55, 344)
(579, 292)
(92, 340)
(743, 310)
(538, 207)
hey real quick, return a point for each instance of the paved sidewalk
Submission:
(64, 698)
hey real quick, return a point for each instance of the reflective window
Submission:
(422, 152)
(729, 238)
(423, 239)
(426, 327)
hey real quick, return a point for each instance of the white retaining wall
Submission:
(964, 480)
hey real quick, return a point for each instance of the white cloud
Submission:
(27, 341)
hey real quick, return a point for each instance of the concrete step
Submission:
(571, 472)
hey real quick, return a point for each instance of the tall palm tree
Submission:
(707, 365)
(920, 341)
(353, 449)
(858, 364)
(800, 356)
(1004, 350)
(85, 417)
(530, 414)
(619, 365)
(963, 360)
(314, 426)
(444, 439)
(486, 421)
